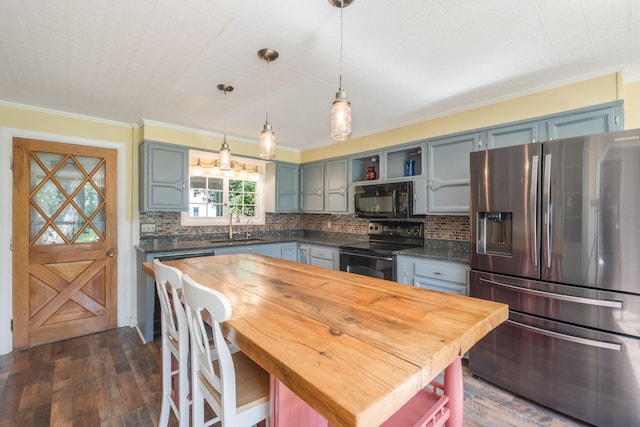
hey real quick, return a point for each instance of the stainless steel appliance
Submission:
(375, 257)
(392, 200)
(555, 234)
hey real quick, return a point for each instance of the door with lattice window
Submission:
(64, 241)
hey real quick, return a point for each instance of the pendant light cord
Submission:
(268, 89)
(341, 37)
(224, 117)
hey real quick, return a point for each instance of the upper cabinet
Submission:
(283, 185)
(448, 157)
(448, 173)
(336, 198)
(589, 121)
(312, 187)
(164, 176)
(404, 163)
(324, 187)
(505, 136)
(366, 168)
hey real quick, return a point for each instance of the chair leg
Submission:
(183, 393)
(197, 406)
(166, 387)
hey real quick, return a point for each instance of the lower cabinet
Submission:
(276, 250)
(436, 275)
(319, 255)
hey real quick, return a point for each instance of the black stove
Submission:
(375, 257)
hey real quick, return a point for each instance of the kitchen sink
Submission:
(236, 242)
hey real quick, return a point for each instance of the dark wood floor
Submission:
(112, 379)
(106, 379)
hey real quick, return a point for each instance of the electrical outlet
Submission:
(148, 228)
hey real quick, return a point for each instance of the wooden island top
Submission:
(353, 347)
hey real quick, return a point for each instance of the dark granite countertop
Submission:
(446, 250)
(179, 245)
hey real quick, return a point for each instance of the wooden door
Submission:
(64, 241)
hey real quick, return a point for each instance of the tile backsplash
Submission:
(167, 224)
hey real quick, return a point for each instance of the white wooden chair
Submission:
(175, 345)
(234, 386)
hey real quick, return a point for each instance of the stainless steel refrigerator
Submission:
(555, 233)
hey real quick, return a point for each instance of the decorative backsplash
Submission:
(167, 224)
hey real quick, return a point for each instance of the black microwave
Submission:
(392, 200)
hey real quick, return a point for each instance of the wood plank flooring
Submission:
(112, 379)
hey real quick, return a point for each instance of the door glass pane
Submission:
(69, 222)
(88, 199)
(37, 222)
(49, 160)
(49, 237)
(49, 198)
(88, 163)
(69, 177)
(98, 179)
(88, 235)
(98, 221)
(37, 175)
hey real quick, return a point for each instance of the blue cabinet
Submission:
(448, 173)
(335, 186)
(164, 177)
(312, 187)
(275, 250)
(589, 121)
(448, 157)
(436, 275)
(319, 255)
(282, 181)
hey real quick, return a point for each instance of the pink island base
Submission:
(426, 409)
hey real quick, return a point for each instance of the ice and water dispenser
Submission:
(494, 233)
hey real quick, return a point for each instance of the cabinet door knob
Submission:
(111, 253)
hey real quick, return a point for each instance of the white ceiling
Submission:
(404, 61)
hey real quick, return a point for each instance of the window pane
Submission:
(216, 184)
(215, 211)
(250, 186)
(198, 182)
(249, 199)
(197, 210)
(197, 196)
(235, 185)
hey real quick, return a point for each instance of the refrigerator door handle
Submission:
(561, 297)
(571, 338)
(547, 208)
(533, 209)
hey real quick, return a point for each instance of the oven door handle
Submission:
(570, 338)
(561, 297)
(366, 256)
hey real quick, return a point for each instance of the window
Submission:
(213, 195)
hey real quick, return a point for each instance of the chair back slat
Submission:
(218, 368)
(175, 343)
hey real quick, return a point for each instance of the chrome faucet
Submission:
(231, 224)
(249, 228)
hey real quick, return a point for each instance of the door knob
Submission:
(111, 253)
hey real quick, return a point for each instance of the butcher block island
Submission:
(354, 348)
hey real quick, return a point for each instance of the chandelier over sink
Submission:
(225, 152)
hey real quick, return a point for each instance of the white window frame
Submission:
(258, 219)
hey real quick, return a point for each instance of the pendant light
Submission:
(225, 152)
(341, 107)
(268, 136)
